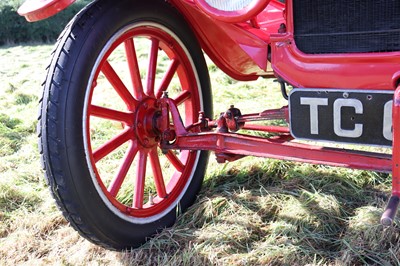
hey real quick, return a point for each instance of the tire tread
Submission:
(48, 108)
(49, 138)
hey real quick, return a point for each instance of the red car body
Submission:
(261, 42)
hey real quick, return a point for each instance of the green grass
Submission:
(252, 212)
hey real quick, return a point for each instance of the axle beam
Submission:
(231, 143)
(230, 146)
(224, 143)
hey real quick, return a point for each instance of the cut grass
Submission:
(251, 212)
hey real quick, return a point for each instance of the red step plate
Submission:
(34, 10)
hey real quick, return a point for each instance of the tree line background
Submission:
(15, 29)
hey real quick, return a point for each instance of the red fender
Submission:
(34, 10)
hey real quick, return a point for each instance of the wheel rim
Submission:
(142, 184)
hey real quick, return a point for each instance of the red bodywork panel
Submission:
(240, 50)
(356, 71)
(247, 13)
(34, 10)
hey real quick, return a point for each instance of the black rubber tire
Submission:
(60, 125)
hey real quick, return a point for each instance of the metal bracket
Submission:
(278, 148)
(393, 204)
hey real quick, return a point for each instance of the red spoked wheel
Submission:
(170, 173)
(100, 125)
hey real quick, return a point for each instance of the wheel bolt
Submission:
(167, 135)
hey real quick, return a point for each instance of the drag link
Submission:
(234, 115)
(272, 114)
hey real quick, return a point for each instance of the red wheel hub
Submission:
(145, 123)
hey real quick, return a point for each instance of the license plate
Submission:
(359, 117)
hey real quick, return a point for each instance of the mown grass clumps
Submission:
(369, 243)
(251, 212)
(13, 197)
(11, 135)
(282, 213)
(24, 99)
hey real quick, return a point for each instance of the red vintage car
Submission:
(341, 59)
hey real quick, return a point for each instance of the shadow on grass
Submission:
(280, 213)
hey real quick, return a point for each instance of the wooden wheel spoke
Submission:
(110, 114)
(169, 74)
(157, 172)
(118, 85)
(140, 180)
(116, 183)
(151, 74)
(111, 145)
(134, 69)
(174, 160)
(181, 98)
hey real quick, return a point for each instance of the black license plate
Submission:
(360, 117)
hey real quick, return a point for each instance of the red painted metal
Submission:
(34, 10)
(271, 18)
(151, 73)
(138, 128)
(175, 161)
(118, 85)
(394, 201)
(240, 50)
(234, 16)
(182, 97)
(106, 113)
(230, 143)
(140, 179)
(119, 179)
(273, 114)
(396, 144)
(396, 79)
(269, 129)
(134, 69)
(330, 70)
(171, 70)
(158, 176)
(111, 145)
(224, 43)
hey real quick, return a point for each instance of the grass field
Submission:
(251, 212)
